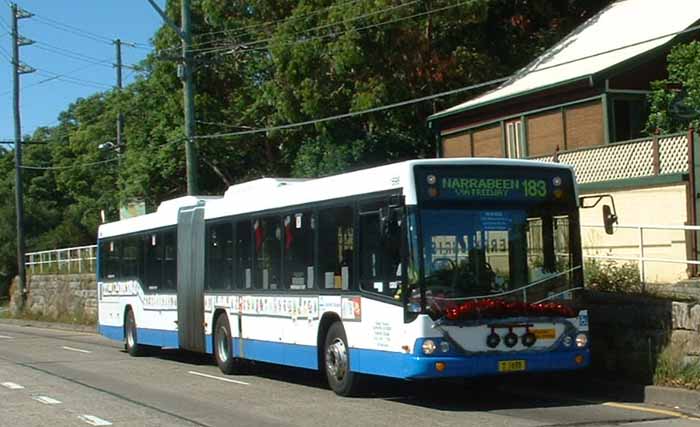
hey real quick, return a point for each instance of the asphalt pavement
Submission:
(70, 378)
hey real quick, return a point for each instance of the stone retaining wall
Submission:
(628, 333)
(59, 297)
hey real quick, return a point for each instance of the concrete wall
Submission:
(60, 297)
(657, 205)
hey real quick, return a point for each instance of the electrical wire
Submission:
(69, 79)
(5, 54)
(49, 79)
(82, 32)
(441, 94)
(30, 167)
(73, 55)
(237, 31)
(337, 33)
(345, 21)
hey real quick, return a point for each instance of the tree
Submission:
(675, 102)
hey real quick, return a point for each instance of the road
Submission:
(67, 378)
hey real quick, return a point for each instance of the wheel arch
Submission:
(324, 325)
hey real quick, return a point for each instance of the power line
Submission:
(5, 54)
(441, 94)
(337, 33)
(73, 55)
(75, 80)
(242, 30)
(356, 113)
(82, 32)
(68, 167)
(345, 21)
(50, 79)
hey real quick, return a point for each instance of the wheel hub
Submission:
(337, 359)
(222, 344)
(130, 332)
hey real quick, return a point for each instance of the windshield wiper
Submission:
(520, 289)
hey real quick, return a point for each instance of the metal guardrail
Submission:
(640, 258)
(80, 259)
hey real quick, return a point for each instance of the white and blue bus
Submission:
(415, 270)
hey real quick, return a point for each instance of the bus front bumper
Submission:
(410, 366)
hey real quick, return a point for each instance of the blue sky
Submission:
(70, 53)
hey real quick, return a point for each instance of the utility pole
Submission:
(18, 69)
(120, 116)
(185, 71)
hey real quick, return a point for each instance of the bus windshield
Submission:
(497, 231)
(479, 253)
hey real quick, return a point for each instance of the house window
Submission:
(514, 137)
(630, 116)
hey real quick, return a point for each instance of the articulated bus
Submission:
(416, 270)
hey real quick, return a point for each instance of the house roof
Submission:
(621, 31)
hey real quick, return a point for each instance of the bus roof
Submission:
(270, 193)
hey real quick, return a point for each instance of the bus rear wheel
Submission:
(336, 359)
(223, 351)
(131, 344)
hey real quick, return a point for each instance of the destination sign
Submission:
(494, 183)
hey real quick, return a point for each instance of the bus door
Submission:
(190, 278)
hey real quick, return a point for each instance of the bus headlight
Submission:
(581, 340)
(567, 341)
(428, 347)
(444, 346)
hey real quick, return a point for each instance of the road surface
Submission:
(65, 378)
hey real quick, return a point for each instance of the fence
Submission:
(80, 259)
(649, 249)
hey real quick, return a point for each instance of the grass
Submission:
(673, 371)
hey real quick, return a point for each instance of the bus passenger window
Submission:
(268, 247)
(132, 257)
(153, 268)
(169, 259)
(244, 260)
(219, 256)
(336, 248)
(111, 259)
(299, 250)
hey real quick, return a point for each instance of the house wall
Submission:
(665, 205)
(545, 133)
(568, 127)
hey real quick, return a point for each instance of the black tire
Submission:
(223, 348)
(336, 363)
(131, 344)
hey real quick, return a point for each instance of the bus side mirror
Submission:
(609, 218)
(609, 213)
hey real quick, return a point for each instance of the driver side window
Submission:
(381, 239)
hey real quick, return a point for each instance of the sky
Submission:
(72, 38)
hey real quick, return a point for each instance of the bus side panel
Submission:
(155, 314)
(377, 339)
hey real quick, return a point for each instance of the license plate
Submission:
(511, 365)
(544, 334)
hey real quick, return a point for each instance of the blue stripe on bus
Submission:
(375, 362)
(112, 332)
(301, 356)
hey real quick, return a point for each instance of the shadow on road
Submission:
(482, 394)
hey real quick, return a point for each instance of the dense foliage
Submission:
(262, 63)
(675, 102)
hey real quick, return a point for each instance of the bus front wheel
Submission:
(336, 359)
(223, 353)
(131, 344)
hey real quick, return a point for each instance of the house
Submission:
(583, 102)
(587, 90)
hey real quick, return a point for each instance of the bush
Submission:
(609, 276)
